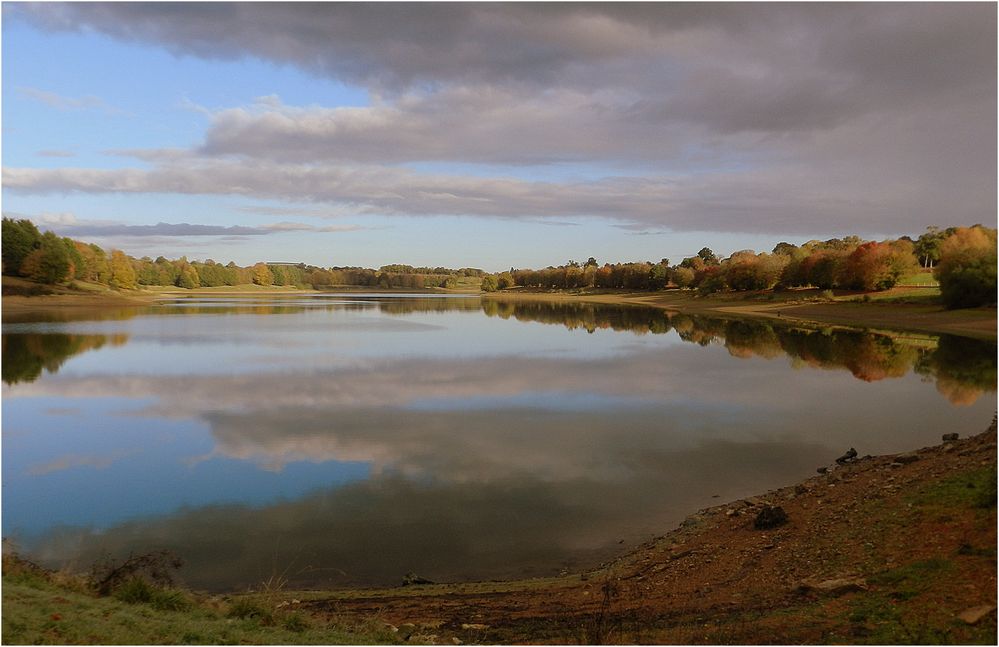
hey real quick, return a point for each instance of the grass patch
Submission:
(974, 489)
(919, 278)
(138, 591)
(40, 607)
(914, 574)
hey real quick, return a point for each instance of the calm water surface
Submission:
(346, 440)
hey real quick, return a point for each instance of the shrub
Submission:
(243, 609)
(489, 283)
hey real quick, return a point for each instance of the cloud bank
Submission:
(779, 118)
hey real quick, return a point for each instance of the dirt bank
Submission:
(888, 549)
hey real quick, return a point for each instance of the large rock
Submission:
(770, 517)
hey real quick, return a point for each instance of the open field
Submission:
(888, 549)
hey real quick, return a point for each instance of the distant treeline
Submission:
(963, 259)
(47, 258)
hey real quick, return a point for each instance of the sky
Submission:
(494, 135)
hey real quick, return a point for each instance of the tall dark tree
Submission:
(19, 239)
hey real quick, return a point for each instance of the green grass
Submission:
(903, 294)
(974, 489)
(919, 278)
(45, 608)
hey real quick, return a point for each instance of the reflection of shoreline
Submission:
(25, 356)
(979, 323)
(964, 368)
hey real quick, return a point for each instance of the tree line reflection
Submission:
(26, 356)
(963, 368)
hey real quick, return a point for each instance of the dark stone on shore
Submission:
(822, 470)
(770, 517)
(411, 579)
(848, 457)
(909, 457)
(949, 437)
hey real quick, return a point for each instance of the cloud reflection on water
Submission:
(493, 466)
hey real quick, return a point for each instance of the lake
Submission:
(345, 440)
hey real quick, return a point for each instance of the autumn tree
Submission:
(878, 266)
(262, 274)
(122, 273)
(967, 268)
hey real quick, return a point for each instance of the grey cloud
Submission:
(784, 118)
(59, 102)
(159, 229)
(825, 197)
(798, 61)
(73, 227)
(469, 124)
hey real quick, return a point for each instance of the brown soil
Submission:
(914, 536)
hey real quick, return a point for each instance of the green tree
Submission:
(19, 238)
(928, 246)
(707, 256)
(188, 277)
(50, 262)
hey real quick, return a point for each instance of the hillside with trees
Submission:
(47, 258)
(962, 259)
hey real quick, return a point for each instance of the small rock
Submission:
(974, 614)
(474, 626)
(770, 517)
(948, 448)
(411, 579)
(406, 630)
(837, 586)
(906, 458)
(895, 465)
(800, 489)
(455, 640)
(731, 513)
(950, 437)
